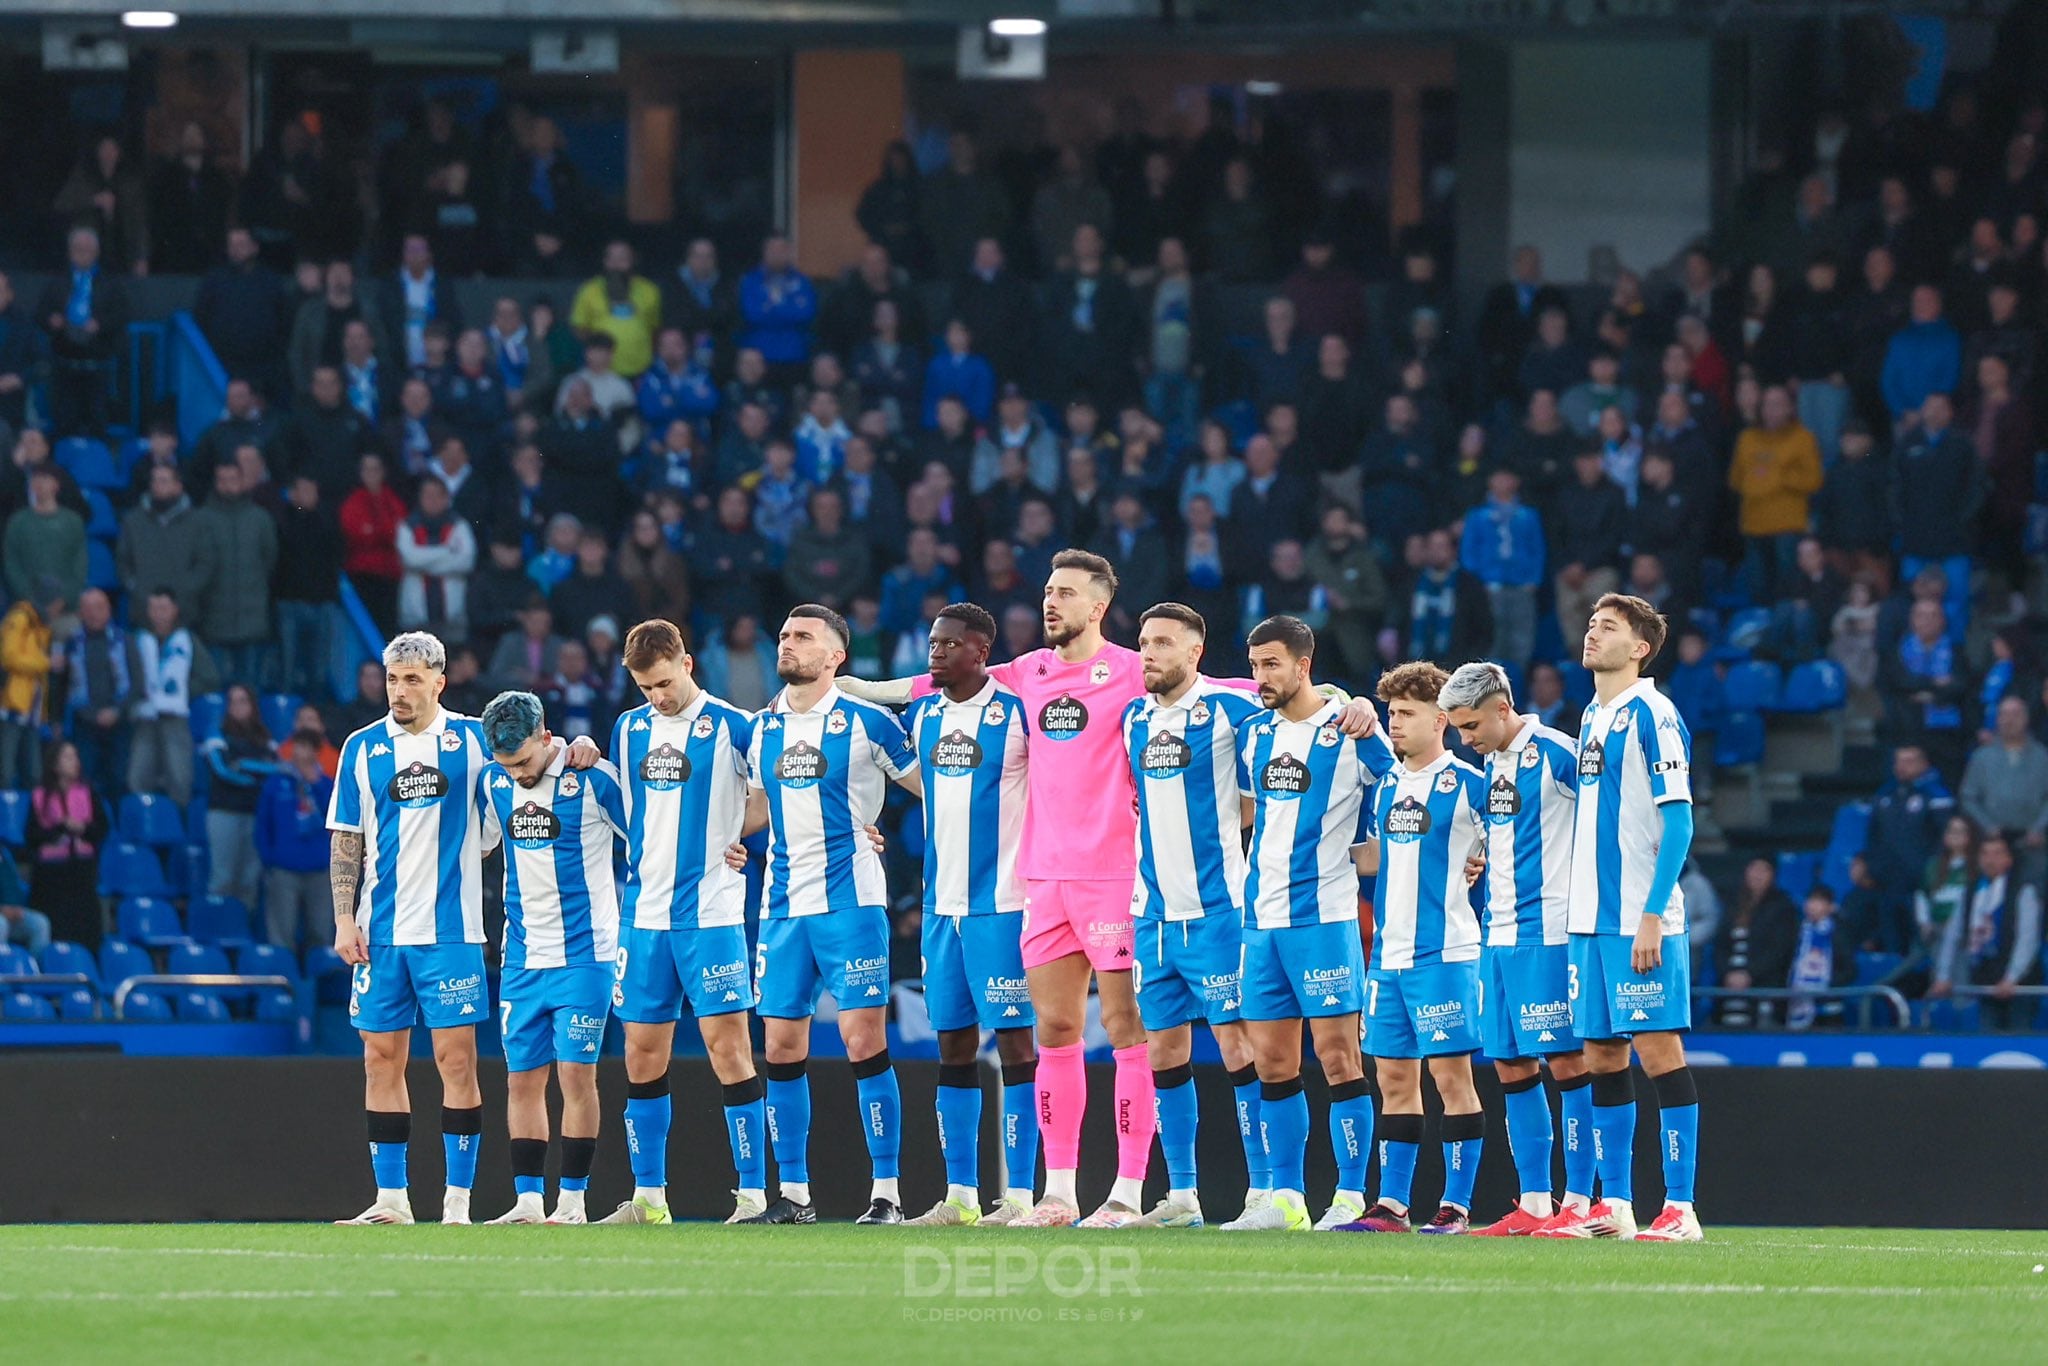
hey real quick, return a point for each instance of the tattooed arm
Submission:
(344, 876)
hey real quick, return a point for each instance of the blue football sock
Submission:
(1400, 1145)
(1283, 1114)
(789, 1121)
(1531, 1135)
(881, 1112)
(1020, 1124)
(649, 1112)
(1464, 1137)
(1614, 1134)
(1258, 1173)
(1173, 1094)
(1679, 1097)
(746, 1125)
(390, 1131)
(1351, 1132)
(1577, 1098)
(959, 1104)
(462, 1137)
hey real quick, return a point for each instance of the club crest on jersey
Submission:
(1503, 800)
(800, 766)
(1165, 755)
(835, 724)
(1407, 822)
(1284, 779)
(1592, 762)
(451, 740)
(665, 768)
(571, 785)
(1447, 781)
(532, 826)
(1099, 674)
(956, 755)
(1063, 718)
(702, 729)
(1620, 721)
(1530, 758)
(417, 785)
(993, 713)
(1199, 714)
(1328, 736)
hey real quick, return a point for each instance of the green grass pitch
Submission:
(835, 1293)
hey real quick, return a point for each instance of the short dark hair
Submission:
(652, 641)
(1176, 611)
(308, 736)
(1646, 621)
(973, 616)
(1291, 632)
(1098, 570)
(817, 611)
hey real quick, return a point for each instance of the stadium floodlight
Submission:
(149, 18)
(1017, 28)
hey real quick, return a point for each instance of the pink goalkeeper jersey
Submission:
(1080, 817)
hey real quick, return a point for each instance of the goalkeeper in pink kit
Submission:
(1079, 864)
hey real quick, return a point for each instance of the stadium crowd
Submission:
(1825, 409)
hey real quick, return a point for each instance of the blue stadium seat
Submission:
(77, 1005)
(201, 1007)
(101, 570)
(1578, 682)
(1740, 739)
(1796, 870)
(144, 1006)
(1873, 967)
(120, 960)
(131, 870)
(1952, 1017)
(192, 957)
(1746, 630)
(278, 709)
(187, 866)
(275, 1005)
(100, 522)
(328, 974)
(17, 962)
(1815, 686)
(221, 920)
(89, 461)
(64, 956)
(146, 818)
(267, 960)
(149, 920)
(207, 710)
(1845, 842)
(14, 818)
(20, 1005)
(1751, 686)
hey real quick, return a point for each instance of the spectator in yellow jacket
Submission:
(25, 659)
(624, 306)
(1775, 472)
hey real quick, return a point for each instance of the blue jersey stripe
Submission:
(384, 899)
(453, 833)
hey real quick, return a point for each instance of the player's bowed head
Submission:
(1480, 701)
(518, 736)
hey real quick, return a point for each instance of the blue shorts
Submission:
(402, 982)
(843, 952)
(1302, 972)
(1427, 1011)
(1611, 1000)
(1525, 1004)
(974, 972)
(552, 1015)
(1189, 970)
(660, 969)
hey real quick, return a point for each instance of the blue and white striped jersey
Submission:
(418, 803)
(1532, 793)
(685, 778)
(561, 906)
(1308, 782)
(1185, 761)
(826, 772)
(1427, 821)
(1634, 756)
(972, 756)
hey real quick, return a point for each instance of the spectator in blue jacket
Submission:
(904, 588)
(1906, 821)
(676, 386)
(778, 306)
(1924, 357)
(1695, 687)
(1503, 548)
(291, 842)
(957, 372)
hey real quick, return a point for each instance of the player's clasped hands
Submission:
(736, 853)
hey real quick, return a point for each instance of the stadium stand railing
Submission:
(1864, 998)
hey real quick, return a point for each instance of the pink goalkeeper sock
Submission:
(1062, 1099)
(1136, 1121)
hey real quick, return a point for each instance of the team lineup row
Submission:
(1085, 810)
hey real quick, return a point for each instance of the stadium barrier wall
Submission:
(92, 1138)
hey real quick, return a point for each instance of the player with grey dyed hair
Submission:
(419, 648)
(1475, 685)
